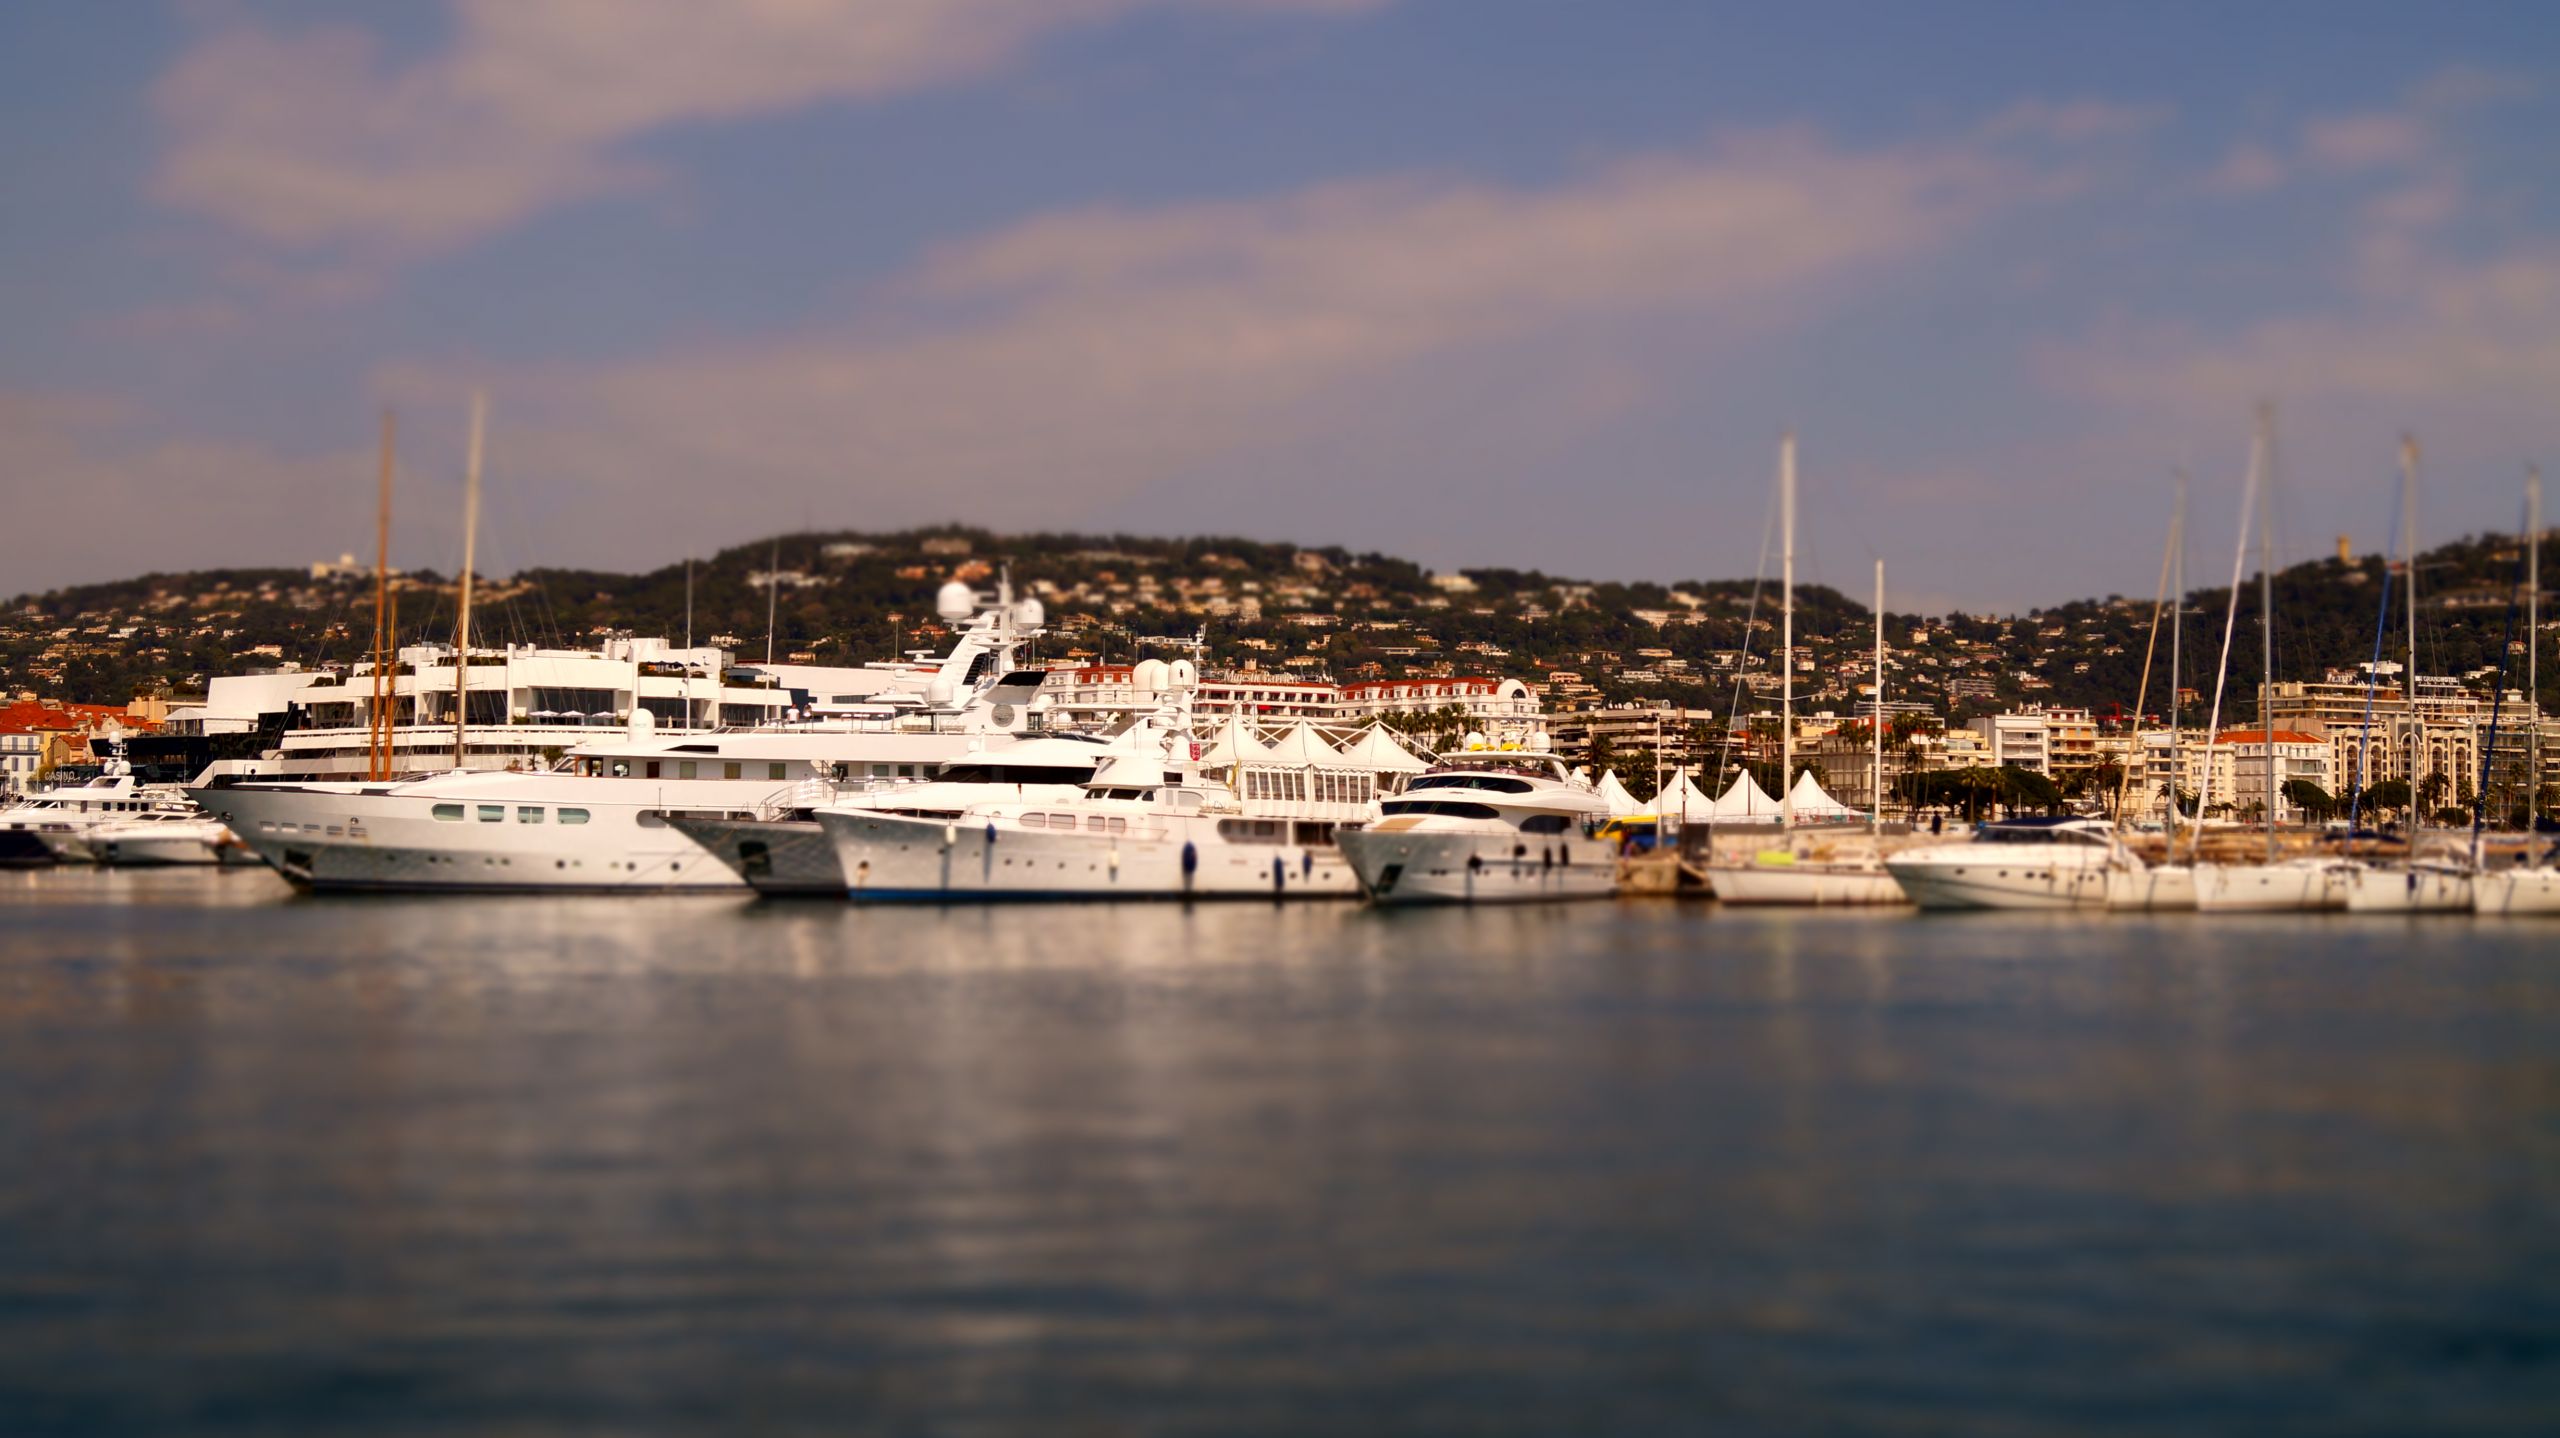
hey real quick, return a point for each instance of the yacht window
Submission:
(1119, 826)
(652, 772)
(1062, 821)
(573, 816)
(684, 768)
(1448, 808)
(493, 813)
(528, 813)
(652, 819)
(773, 771)
(1499, 784)
(1035, 821)
(621, 768)
(1545, 824)
(447, 813)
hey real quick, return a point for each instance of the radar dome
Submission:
(939, 690)
(1029, 614)
(955, 601)
(643, 723)
(1539, 743)
(1183, 674)
(1150, 676)
(1475, 740)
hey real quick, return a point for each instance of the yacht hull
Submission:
(2166, 888)
(24, 848)
(2517, 892)
(2269, 889)
(357, 838)
(1806, 885)
(2409, 891)
(1987, 879)
(891, 859)
(1428, 866)
(131, 851)
(781, 858)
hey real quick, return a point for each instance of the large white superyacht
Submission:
(1487, 825)
(1147, 825)
(599, 820)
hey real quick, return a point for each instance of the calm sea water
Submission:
(284, 1165)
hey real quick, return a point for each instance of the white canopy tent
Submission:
(1614, 793)
(1812, 802)
(1745, 799)
(1379, 754)
(1236, 744)
(1682, 798)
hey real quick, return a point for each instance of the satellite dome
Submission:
(1182, 674)
(939, 691)
(1150, 676)
(643, 723)
(955, 601)
(1029, 614)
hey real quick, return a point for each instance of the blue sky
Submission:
(1477, 281)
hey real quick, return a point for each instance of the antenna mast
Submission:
(377, 733)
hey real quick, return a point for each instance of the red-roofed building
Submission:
(2295, 755)
(37, 735)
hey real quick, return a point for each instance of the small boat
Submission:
(163, 837)
(2516, 892)
(1783, 877)
(2418, 887)
(2015, 864)
(2288, 886)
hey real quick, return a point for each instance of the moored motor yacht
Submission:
(2015, 864)
(1487, 826)
(52, 825)
(601, 819)
(2517, 891)
(165, 837)
(1145, 825)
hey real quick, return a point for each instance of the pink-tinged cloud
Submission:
(1074, 361)
(309, 139)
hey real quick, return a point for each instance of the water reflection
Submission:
(687, 1163)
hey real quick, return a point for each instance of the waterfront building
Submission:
(2244, 780)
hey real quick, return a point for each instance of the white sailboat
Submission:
(2531, 889)
(2412, 886)
(2272, 885)
(1796, 872)
(2167, 886)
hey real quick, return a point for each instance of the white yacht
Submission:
(2154, 888)
(1807, 877)
(164, 837)
(784, 850)
(1145, 825)
(600, 819)
(52, 825)
(1487, 826)
(2015, 864)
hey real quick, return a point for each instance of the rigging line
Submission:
(2489, 751)
(2230, 618)
(1751, 617)
(2142, 694)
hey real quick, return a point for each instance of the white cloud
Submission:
(1073, 361)
(311, 140)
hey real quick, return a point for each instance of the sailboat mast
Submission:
(2533, 639)
(1875, 758)
(772, 596)
(376, 735)
(688, 601)
(1787, 643)
(2409, 584)
(470, 541)
(2177, 599)
(2222, 670)
(2267, 620)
